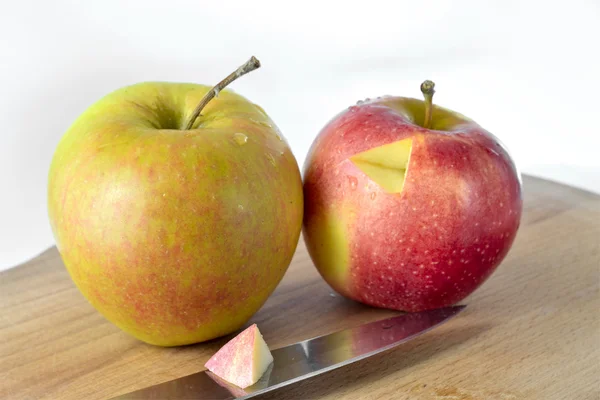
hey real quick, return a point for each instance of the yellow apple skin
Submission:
(176, 236)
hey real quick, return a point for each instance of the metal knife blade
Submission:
(305, 359)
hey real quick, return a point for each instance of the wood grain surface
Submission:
(532, 331)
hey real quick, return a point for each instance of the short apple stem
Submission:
(249, 66)
(427, 90)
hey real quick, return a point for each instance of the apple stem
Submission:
(249, 66)
(427, 90)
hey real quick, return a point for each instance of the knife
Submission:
(305, 359)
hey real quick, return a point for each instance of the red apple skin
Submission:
(435, 242)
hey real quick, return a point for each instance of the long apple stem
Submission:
(427, 90)
(249, 66)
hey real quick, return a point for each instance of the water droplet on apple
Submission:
(260, 109)
(271, 159)
(373, 195)
(263, 123)
(353, 108)
(240, 207)
(353, 182)
(240, 138)
(358, 103)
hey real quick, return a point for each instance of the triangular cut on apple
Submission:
(243, 360)
(386, 165)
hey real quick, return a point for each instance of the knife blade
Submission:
(305, 359)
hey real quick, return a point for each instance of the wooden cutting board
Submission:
(532, 331)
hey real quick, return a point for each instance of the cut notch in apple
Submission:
(386, 165)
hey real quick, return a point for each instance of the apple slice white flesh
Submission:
(243, 360)
(385, 165)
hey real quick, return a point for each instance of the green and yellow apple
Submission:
(408, 206)
(175, 235)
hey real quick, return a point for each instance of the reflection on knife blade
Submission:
(305, 359)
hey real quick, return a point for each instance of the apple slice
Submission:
(385, 165)
(243, 360)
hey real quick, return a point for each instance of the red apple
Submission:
(408, 206)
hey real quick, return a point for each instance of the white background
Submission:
(528, 71)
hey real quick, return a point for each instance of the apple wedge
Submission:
(243, 360)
